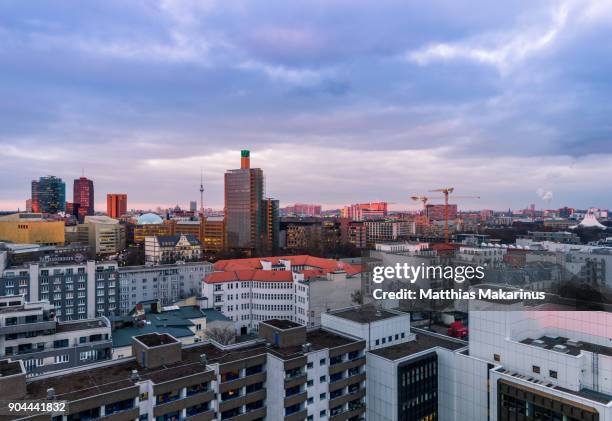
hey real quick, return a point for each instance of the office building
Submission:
(172, 249)
(191, 227)
(193, 206)
(116, 204)
(166, 283)
(30, 332)
(49, 195)
(103, 234)
(271, 226)
(213, 235)
(380, 231)
(21, 254)
(83, 195)
(287, 374)
(295, 288)
(151, 224)
(31, 228)
(244, 214)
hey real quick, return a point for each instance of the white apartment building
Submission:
(296, 288)
(168, 283)
(31, 333)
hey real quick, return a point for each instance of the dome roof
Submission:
(149, 218)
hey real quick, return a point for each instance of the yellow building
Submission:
(30, 228)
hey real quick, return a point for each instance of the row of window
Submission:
(390, 338)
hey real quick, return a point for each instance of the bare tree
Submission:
(222, 335)
(357, 297)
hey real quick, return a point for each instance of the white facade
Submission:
(168, 283)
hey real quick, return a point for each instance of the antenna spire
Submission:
(201, 192)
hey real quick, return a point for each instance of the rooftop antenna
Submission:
(202, 192)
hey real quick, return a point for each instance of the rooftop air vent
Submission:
(134, 376)
(560, 348)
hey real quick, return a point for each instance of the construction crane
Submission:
(446, 192)
(424, 200)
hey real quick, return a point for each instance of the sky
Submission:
(339, 101)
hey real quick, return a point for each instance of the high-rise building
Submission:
(116, 204)
(244, 188)
(48, 195)
(271, 224)
(84, 195)
(193, 206)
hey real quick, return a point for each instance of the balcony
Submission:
(339, 384)
(178, 404)
(127, 415)
(295, 399)
(202, 416)
(348, 414)
(248, 416)
(347, 397)
(359, 361)
(297, 416)
(242, 381)
(27, 327)
(294, 380)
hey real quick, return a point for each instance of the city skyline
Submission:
(337, 109)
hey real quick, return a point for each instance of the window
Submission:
(535, 369)
(309, 383)
(309, 365)
(377, 342)
(322, 413)
(552, 373)
(497, 357)
(322, 361)
(322, 379)
(322, 396)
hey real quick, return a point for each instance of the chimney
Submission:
(245, 160)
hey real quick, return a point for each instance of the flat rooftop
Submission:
(282, 324)
(80, 325)
(573, 348)
(583, 393)
(364, 314)
(422, 343)
(156, 339)
(116, 375)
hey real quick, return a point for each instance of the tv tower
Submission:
(202, 193)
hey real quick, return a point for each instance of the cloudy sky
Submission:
(339, 101)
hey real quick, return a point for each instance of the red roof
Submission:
(251, 269)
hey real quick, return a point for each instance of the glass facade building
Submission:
(49, 195)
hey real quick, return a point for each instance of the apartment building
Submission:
(168, 283)
(29, 332)
(77, 290)
(287, 374)
(296, 288)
